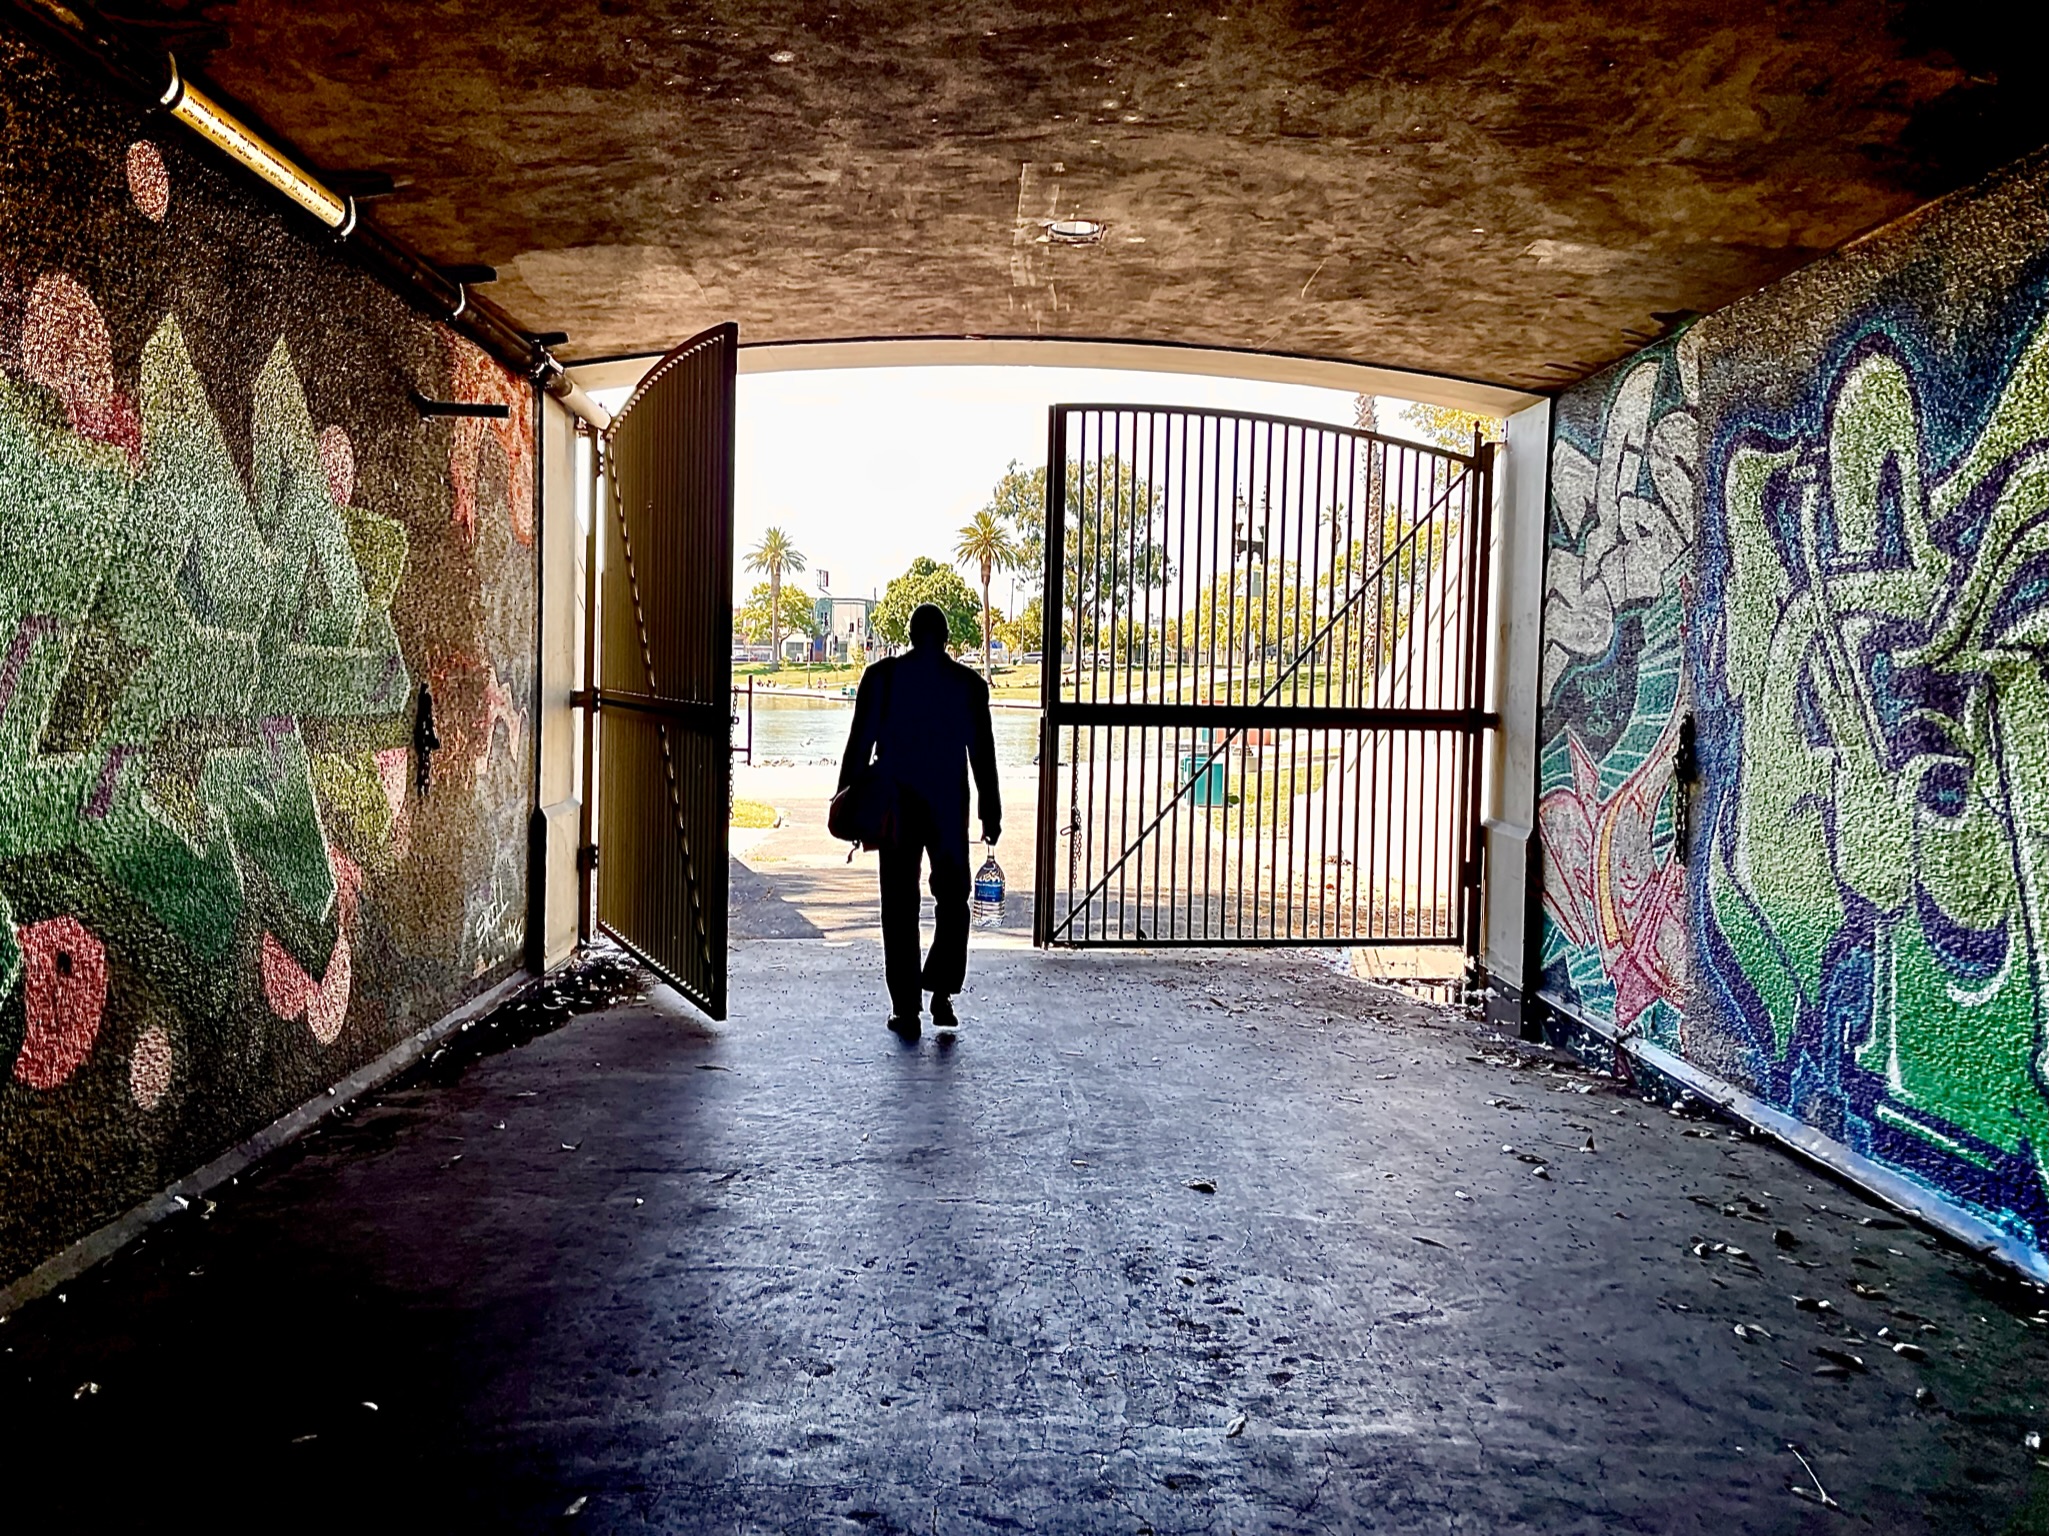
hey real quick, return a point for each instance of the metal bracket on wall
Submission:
(587, 856)
(486, 409)
(125, 52)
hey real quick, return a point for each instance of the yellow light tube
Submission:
(221, 128)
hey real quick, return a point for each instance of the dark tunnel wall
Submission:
(233, 555)
(1818, 524)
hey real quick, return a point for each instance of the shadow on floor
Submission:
(754, 909)
(840, 903)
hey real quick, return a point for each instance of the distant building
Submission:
(842, 627)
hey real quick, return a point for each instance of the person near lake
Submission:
(923, 720)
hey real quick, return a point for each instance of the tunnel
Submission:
(1505, 668)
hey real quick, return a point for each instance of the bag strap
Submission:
(888, 697)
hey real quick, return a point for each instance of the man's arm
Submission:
(982, 758)
(861, 734)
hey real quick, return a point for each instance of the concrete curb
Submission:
(110, 1239)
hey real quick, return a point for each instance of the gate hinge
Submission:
(581, 698)
(587, 856)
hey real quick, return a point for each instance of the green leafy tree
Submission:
(1027, 631)
(1113, 549)
(985, 544)
(1116, 496)
(774, 557)
(798, 616)
(1020, 500)
(927, 581)
(1451, 429)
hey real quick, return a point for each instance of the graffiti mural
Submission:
(1875, 730)
(1617, 574)
(233, 557)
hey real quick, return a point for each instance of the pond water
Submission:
(811, 731)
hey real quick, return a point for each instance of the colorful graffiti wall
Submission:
(233, 558)
(1874, 710)
(1618, 569)
(1851, 916)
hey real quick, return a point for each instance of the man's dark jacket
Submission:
(926, 717)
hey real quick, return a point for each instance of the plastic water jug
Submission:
(989, 893)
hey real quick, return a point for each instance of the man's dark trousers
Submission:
(917, 839)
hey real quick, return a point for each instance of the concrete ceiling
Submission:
(1517, 193)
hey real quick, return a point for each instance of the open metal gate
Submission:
(663, 669)
(1263, 682)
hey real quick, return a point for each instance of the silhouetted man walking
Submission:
(925, 718)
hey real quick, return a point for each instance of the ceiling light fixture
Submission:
(1076, 231)
(234, 138)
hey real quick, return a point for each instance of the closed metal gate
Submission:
(664, 668)
(1263, 683)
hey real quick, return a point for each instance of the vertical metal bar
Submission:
(1263, 476)
(1174, 755)
(1123, 508)
(1149, 660)
(1324, 772)
(1212, 461)
(1092, 534)
(1398, 781)
(1360, 661)
(1052, 607)
(1289, 784)
(1074, 734)
(1437, 591)
(1234, 848)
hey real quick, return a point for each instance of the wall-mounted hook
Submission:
(1685, 775)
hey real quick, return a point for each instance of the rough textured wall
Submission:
(231, 555)
(1618, 568)
(1870, 896)
(1819, 520)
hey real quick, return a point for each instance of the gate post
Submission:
(1052, 612)
(1480, 563)
(586, 834)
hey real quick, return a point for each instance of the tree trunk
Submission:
(775, 619)
(985, 619)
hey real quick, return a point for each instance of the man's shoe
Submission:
(904, 1025)
(943, 1016)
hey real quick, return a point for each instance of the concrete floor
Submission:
(787, 1274)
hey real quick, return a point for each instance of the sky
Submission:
(868, 468)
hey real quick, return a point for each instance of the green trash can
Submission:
(1207, 775)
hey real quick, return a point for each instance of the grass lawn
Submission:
(1015, 683)
(1267, 791)
(795, 676)
(752, 813)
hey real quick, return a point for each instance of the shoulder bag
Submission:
(864, 813)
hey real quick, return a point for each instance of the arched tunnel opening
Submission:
(1485, 572)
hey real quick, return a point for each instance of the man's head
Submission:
(928, 628)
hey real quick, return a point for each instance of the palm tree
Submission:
(985, 542)
(774, 555)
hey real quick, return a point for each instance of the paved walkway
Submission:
(788, 1275)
